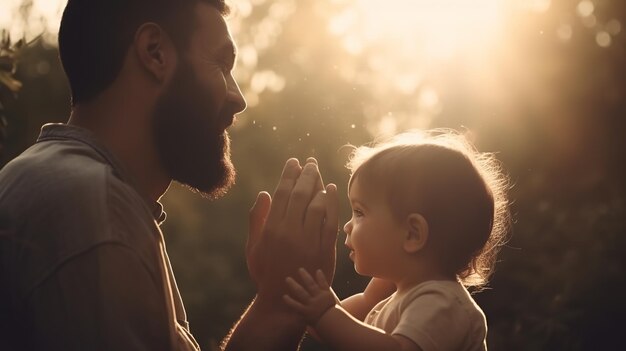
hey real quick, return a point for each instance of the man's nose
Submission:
(235, 96)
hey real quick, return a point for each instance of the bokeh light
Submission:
(435, 29)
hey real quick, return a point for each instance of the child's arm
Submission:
(359, 305)
(314, 299)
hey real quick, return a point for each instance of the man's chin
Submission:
(217, 188)
(215, 175)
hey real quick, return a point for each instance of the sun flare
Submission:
(437, 29)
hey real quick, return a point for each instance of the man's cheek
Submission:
(215, 88)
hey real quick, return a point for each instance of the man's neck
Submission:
(127, 136)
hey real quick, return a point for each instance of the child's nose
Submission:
(347, 227)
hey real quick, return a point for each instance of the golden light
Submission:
(410, 48)
(44, 17)
(434, 29)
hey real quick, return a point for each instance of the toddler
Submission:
(429, 214)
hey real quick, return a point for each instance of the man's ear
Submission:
(417, 233)
(155, 51)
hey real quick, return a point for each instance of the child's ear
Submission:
(417, 234)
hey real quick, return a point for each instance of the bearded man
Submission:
(83, 264)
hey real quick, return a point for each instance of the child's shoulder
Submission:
(443, 295)
(441, 315)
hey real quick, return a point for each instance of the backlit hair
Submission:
(459, 191)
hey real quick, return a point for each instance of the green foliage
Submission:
(9, 54)
(9, 85)
(8, 65)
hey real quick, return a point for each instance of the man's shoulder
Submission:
(52, 172)
(54, 162)
(60, 179)
(60, 199)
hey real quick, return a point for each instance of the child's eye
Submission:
(357, 213)
(225, 67)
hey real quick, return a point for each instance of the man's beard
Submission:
(190, 135)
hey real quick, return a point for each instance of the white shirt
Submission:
(436, 315)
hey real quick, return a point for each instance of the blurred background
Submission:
(541, 83)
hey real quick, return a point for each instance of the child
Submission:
(429, 214)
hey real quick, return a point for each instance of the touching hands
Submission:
(310, 297)
(297, 228)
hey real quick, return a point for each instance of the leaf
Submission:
(7, 80)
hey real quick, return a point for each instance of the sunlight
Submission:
(44, 17)
(411, 46)
(437, 29)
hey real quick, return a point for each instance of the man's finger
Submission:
(331, 223)
(321, 280)
(257, 217)
(319, 186)
(283, 191)
(314, 217)
(302, 193)
(330, 229)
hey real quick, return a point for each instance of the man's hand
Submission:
(298, 228)
(310, 297)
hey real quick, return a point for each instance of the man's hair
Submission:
(95, 35)
(459, 191)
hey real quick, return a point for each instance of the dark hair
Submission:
(460, 192)
(95, 35)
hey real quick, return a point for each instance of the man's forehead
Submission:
(211, 29)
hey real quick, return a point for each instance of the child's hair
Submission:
(459, 191)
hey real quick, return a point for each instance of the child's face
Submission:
(374, 236)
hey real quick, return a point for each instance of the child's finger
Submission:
(293, 303)
(321, 280)
(308, 281)
(297, 290)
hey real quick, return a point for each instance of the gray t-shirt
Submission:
(83, 264)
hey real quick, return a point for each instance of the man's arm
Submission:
(297, 228)
(263, 326)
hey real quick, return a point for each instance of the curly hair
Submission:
(460, 191)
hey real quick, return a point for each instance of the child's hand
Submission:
(310, 297)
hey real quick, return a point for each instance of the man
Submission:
(83, 265)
